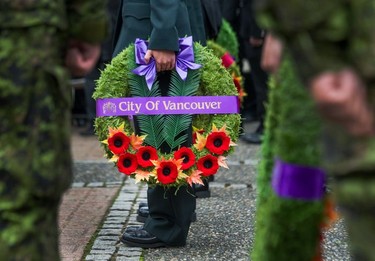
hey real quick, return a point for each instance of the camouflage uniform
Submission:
(35, 160)
(328, 35)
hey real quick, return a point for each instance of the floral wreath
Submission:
(137, 156)
(230, 64)
(227, 38)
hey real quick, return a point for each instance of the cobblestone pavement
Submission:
(101, 203)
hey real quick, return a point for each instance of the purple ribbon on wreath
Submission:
(184, 60)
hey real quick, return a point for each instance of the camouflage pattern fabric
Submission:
(329, 35)
(324, 35)
(355, 194)
(35, 159)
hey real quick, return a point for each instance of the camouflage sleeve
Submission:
(87, 20)
(316, 32)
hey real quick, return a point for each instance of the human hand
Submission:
(272, 51)
(165, 60)
(81, 57)
(341, 99)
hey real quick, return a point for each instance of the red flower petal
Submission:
(167, 172)
(217, 142)
(127, 163)
(118, 143)
(227, 60)
(145, 155)
(208, 165)
(187, 155)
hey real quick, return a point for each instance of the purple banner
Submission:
(297, 181)
(166, 105)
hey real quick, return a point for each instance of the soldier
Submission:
(36, 39)
(332, 44)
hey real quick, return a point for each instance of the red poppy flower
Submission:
(208, 165)
(227, 60)
(167, 172)
(187, 155)
(145, 155)
(118, 143)
(127, 163)
(217, 142)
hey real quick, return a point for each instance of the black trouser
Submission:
(260, 80)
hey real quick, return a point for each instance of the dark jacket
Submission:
(162, 24)
(212, 17)
(250, 28)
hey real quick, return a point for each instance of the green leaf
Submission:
(152, 126)
(139, 88)
(189, 87)
(177, 124)
(174, 125)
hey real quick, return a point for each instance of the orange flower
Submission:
(195, 178)
(200, 142)
(221, 160)
(113, 131)
(136, 141)
(141, 175)
(195, 131)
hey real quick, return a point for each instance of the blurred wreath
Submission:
(230, 64)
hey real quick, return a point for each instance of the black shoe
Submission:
(141, 238)
(143, 213)
(142, 204)
(129, 229)
(252, 138)
(202, 191)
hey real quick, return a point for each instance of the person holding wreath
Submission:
(162, 23)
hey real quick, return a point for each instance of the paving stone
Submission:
(95, 184)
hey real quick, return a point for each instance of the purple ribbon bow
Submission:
(184, 60)
(145, 69)
(185, 57)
